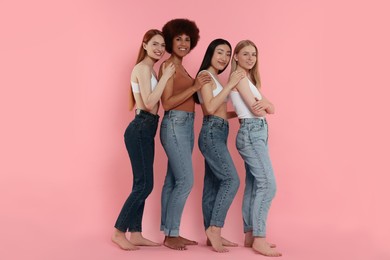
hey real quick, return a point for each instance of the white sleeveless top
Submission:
(216, 91)
(239, 105)
(153, 84)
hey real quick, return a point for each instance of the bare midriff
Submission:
(220, 112)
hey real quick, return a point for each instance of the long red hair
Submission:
(141, 55)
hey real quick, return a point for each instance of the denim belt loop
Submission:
(141, 112)
(181, 113)
(210, 118)
(168, 113)
(263, 121)
(260, 120)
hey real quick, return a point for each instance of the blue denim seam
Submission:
(143, 189)
(258, 224)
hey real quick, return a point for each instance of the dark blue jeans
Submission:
(139, 140)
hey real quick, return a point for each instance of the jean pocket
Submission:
(163, 132)
(255, 128)
(258, 134)
(241, 139)
(255, 136)
(217, 124)
(180, 120)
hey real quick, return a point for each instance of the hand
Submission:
(261, 113)
(201, 80)
(168, 70)
(259, 107)
(235, 77)
(260, 104)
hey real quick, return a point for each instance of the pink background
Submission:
(64, 76)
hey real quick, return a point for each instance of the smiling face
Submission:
(221, 57)
(155, 48)
(247, 57)
(181, 45)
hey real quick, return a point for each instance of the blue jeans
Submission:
(221, 180)
(260, 185)
(139, 140)
(177, 138)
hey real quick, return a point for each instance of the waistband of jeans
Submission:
(212, 118)
(171, 113)
(146, 114)
(252, 120)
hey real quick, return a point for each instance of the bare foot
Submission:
(137, 239)
(187, 242)
(120, 239)
(213, 234)
(225, 242)
(262, 247)
(174, 243)
(249, 240)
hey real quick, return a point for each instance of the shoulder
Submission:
(164, 64)
(243, 82)
(143, 67)
(140, 71)
(204, 72)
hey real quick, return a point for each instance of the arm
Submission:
(211, 103)
(265, 105)
(249, 98)
(170, 101)
(131, 99)
(149, 97)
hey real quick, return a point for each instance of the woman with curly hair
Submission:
(145, 93)
(177, 129)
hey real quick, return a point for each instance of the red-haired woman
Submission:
(145, 93)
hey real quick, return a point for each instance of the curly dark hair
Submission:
(177, 27)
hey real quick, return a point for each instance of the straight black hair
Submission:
(206, 63)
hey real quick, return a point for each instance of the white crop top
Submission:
(153, 84)
(239, 105)
(216, 91)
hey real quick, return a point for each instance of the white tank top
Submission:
(216, 91)
(239, 105)
(153, 84)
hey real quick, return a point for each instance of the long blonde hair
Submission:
(254, 72)
(141, 55)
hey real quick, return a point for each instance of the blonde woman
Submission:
(252, 144)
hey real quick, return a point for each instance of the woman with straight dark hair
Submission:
(221, 180)
(145, 93)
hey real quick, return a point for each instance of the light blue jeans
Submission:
(221, 180)
(177, 138)
(260, 185)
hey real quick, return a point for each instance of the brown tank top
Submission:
(182, 81)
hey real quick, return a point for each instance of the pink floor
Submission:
(316, 243)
